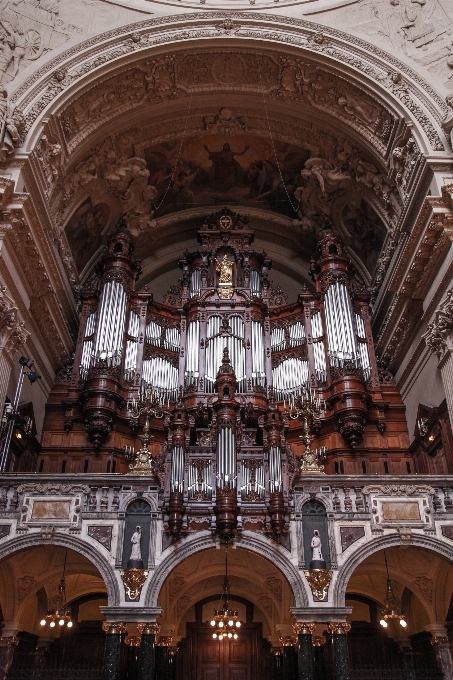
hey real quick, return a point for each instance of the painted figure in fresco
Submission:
(226, 168)
(136, 553)
(316, 546)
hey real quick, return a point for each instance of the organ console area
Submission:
(236, 380)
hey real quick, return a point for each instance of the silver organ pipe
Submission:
(108, 343)
(226, 458)
(130, 359)
(206, 481)
(87, 349)
(288, 377)
(318, 348)
(192, 350)
(172, 339)
(278, 341)
(162, 375)
(247, 486)
(341, 334)
(275, 470)
(153, 333)
(297, 334)
(177, 470)
(195, 283)
(362, 346)
(255, 283)
(258, 370)
(217, 343)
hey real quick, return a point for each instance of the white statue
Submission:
(136, 553)
(316, 546)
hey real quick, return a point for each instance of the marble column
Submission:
(7, 649)
(114, 630)
(339, 632)
(304, 632)
(147, 657)
(289, 660)
(441, 646)
(163, 659)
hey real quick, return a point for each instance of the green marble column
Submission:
(113, 632)
(339, 632)
(147, 656)
(304, 633)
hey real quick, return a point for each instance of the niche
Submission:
(314, 516)
(137, 514)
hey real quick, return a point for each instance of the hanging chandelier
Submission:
(392, 609)
(61, 615)
(225, 620)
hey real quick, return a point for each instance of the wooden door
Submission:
(202, 658)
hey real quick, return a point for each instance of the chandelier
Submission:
(62, 614)
(392, 609)
(225, 620)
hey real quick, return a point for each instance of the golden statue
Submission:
(225, 267)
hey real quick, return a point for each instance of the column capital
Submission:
(439, 640)
(288, 641)
(303, 628)
(114, 627)
(12, 641)
(148, 628)
(339, 627)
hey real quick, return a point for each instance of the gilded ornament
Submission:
(303, 628)
(133, 580)
(148, 628)
(319, 581)
(339, 627)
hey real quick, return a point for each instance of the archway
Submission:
(417, 582)
(260, 593)
(50, 599)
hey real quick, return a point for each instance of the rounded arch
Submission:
(72, 543)
(389, 541)
(177, 554)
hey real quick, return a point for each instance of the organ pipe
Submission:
(177, 470)
(288, 377)
(255, 283)
(275, 470)
(318, 348)
(162, 375)
(130, 359)
(193, 344)
(226, 458)
(87, 349)
(108, 343)
(195, 283)
(258, 372)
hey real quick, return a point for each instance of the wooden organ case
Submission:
(226, 355)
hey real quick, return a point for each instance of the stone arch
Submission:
(72, 543)
(177, 554)
(388, 541)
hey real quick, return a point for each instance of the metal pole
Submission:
(10, 429)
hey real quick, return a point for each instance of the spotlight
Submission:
(403, 623)
(27, 363)
(383, 623)
(33, 377)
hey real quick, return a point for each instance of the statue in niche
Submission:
(136, 554)
(316, 546)
(226, 271)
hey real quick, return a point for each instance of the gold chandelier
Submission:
(225, 620)
(392, 609)
(62, 615)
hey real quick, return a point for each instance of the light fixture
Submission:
(225, 620)
(392, 609)
(62, 615)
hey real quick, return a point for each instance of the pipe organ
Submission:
(226, 365)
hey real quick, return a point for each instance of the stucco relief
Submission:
(28, 29)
